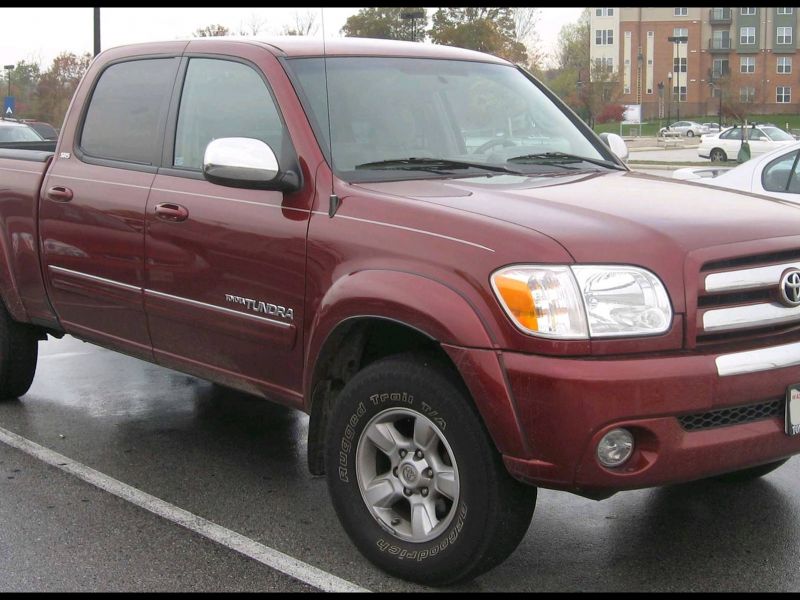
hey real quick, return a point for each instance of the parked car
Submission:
(726, 144)
(687, 128)
(45, 130)
(11, 131)
(712, 127)
(775, 174)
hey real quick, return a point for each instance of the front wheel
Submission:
(415, 479)
(19, 349)
(718, 155)
(690, 133)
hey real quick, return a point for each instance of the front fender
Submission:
(439, 312)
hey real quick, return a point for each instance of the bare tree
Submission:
(212, 31)
(253, 26)
(305, 23)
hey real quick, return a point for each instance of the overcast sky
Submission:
(39, 34)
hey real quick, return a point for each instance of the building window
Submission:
(784, 94)
(681, 12)
(651, 34)
(682, 93)
(679, 65)
(747, 35)
(785, 11)
(747, 64)
(627, 90)
(604, 12)
(605, 65)
(784, 64)
(604, 37)
(784, 35)
(680, 32)
(720, 68)
(649, 90)
(747, 94)
(747, 11)
(716, 92)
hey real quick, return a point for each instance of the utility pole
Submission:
(413, 15)
(96, 30)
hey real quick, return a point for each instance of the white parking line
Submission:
(264, 554)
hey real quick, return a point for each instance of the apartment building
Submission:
(678, 60)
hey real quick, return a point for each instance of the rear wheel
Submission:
(718, 155)
(19, 348)
(690, 133)
(415, 479)
(750, 474)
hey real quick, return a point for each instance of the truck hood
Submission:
(612, 216)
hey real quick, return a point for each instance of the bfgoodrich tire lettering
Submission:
(477, 520)
(19, 349)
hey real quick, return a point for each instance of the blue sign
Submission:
(9, 106)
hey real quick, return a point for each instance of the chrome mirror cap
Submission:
(239, 161)
(616, 144)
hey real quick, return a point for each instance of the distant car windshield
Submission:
(13, 133)
(448, 116)
(777, 135)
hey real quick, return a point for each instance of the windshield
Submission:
(777, 135)
(451, 117)
(12, 133)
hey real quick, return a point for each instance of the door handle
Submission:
(59, 193)
(174, 213)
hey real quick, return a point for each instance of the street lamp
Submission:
(413, 15)
(680, 39)
(714, 86)
(669, 100)
(9, 68)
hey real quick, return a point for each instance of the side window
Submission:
(222, 98)
(794, 182)
(733, 134)
(756, 135)
(128, 106)
(776, 174)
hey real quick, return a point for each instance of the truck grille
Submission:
(739, 299)
(732, 416)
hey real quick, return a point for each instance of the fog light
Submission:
(615, 448)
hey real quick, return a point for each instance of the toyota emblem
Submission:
(790, 287)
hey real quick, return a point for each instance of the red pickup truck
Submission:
(426, 251)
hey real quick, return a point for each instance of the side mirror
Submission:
(616, 144)
(246, 163)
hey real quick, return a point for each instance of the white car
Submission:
(725, 145)
(687, 128)
(11, 131)
(775, 174)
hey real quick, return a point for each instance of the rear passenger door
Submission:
(93, 202)
(225, 282)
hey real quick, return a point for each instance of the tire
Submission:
(718, 155)
(746, 475)
(476, 512)
(19, 349)
(690, 133)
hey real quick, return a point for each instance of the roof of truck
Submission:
(345, 46)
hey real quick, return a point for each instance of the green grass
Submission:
(651, 128)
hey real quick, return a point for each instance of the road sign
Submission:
(9, 106)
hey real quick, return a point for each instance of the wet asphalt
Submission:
(240, 462)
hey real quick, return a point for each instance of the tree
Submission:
(24, 79)
(57, 85)
(252, 27)
(387, 23)
(485, 29)
(305, 23)
(526, 20)
(212, 31)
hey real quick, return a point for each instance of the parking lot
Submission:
(160, 481)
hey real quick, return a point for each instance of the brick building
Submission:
(749, 53)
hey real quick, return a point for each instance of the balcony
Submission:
(719, 44)
(719, 16)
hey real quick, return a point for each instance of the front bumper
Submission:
(565, 406)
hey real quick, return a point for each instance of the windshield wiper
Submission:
(561, 159)
(433, 164)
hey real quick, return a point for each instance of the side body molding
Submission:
(437, 311)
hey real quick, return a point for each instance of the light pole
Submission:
(680, 39)
(714, 86)
(669, 100)
(413, 15)
(9, 68)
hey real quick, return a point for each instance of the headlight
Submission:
(579, 302)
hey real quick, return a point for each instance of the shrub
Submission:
(611, 112)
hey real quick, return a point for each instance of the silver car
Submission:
(687, 128)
